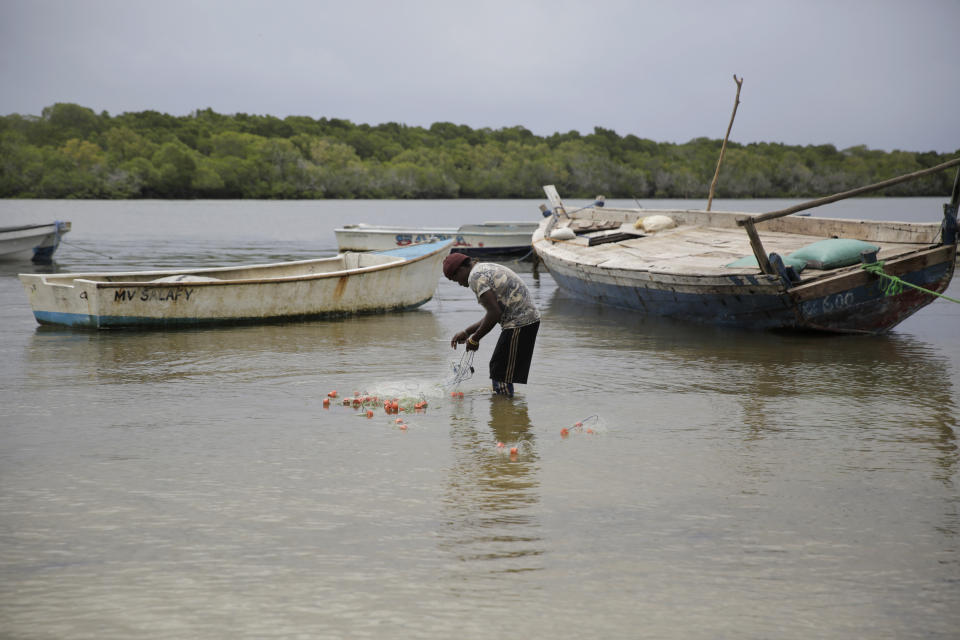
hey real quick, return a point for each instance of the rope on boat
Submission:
(76, 246)
(524, 256)
(894, 285)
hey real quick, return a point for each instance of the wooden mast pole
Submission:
(723, 148)
(851, 193)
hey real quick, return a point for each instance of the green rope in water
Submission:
(895, 285)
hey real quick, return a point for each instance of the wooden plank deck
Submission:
(697, 250)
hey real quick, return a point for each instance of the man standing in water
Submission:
(507, 301)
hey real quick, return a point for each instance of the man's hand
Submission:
(459, 338)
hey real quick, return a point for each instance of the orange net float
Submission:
(580, 426)
(514, 450)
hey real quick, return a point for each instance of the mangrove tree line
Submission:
(69, 151)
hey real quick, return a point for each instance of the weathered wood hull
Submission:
(854, 303)
(687, 273)
(346, 284)
(492, 238)
(857, 301)
(31, 242)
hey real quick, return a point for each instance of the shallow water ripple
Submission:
(723, 484)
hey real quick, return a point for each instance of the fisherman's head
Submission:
(456, 267)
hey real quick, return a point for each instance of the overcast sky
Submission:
(880, 73)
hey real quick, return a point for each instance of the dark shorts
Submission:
(513, 354)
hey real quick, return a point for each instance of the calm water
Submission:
(190, 484)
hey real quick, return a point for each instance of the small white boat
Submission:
(36, 241)
(487, 238)
(344, 284)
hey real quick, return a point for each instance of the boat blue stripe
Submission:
(415, 250)
(82, 320)
(718, 308)
(68, 319)
(494, 251)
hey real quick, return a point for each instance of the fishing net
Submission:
(518, 448)
(589, 425)
(460, 371)
(391, 399)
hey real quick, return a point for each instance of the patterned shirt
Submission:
(516, 305)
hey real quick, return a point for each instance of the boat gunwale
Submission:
(445, 231)
(31, 227)
(734, 216)
(362, 226)
(840, 279)
(84, 278)
(389, 231)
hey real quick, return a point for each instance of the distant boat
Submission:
(36, 242)
(348, 283)
(487, 238)
(705, 266)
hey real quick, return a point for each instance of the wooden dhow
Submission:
(690, 265)
(348, 283)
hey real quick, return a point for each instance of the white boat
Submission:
(35, 241)
(345, 284)
(487, 238)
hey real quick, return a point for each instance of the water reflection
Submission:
(894, 387)
(491, 496)
(332, 347)
(11, 268)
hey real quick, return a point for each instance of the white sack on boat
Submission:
(655, 223)
(563, 233)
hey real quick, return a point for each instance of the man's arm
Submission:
(490, 319)
(477, 330)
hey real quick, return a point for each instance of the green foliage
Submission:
(70, 151)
